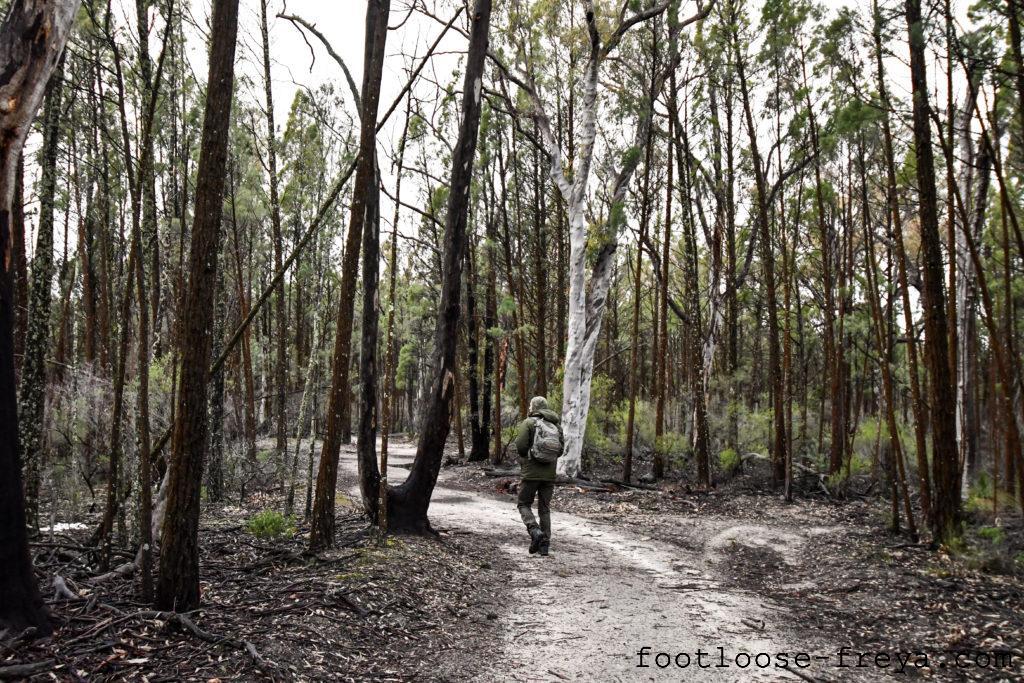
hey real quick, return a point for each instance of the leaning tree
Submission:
(407, 504)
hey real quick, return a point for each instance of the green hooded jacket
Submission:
(531, 469)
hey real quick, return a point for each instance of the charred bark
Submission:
(178, 582)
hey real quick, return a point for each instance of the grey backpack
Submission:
(547, 441)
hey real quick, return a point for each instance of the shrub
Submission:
(992, 534)
(643, 424)
(671, 443)
(729, 461)
(270, 524)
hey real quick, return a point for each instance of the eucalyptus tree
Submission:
(177, 585)
(408, 503)
(28, 56)
(365, 190)
(588, 296)
(945, 512)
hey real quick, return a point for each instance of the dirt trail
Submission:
(584, 612)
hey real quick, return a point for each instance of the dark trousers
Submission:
(542, 491)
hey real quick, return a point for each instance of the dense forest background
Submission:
(715, 234)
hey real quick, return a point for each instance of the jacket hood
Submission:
(549, 415)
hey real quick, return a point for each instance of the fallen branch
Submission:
(25, 670)
(584, 484)
(495, 472)
(619, 482)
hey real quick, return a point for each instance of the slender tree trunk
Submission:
(833, 358)
(768, 264)
(699, 438)
(539, 279)
(917, 398)
(178, 581)
(369, 476)
(478, 437)
(883, 344)
(245, 370)
(20, 266)
(215, 468)
(945, 518)
(662, 332)
(281, 318)
(339, 404)
(645, 214)
(389, 337)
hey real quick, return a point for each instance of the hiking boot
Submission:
(542, 547)
(536, 538)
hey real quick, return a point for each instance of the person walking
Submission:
(539, 442)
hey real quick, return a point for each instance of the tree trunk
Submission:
(768, 263)
(281, 319)
(588, 298)
(699, 439)
(968, 426)
(215, 468)
(32, 395)
(245, 370)
(369, 475)
(645, 213)
(389, 337)
(833, 354)
(20, 266)
(477, 434)
(916, 395)
(178, 582)
(338, 409)
(662, 358)
(408, 503)
(945, 518)
(31, 41)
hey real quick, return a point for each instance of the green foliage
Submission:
(671, 444)
(993, 534)
(982, 497)
(598, 417)
(270, 524)
(406, 369)
(729, 461)
(643, 423)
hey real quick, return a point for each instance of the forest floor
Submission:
(733, 573)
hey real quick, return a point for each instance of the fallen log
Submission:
(495, 472)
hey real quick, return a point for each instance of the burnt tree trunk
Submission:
(945, 458)
(177, 585)
(31, 41)
(322, 523)
(408, 503)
